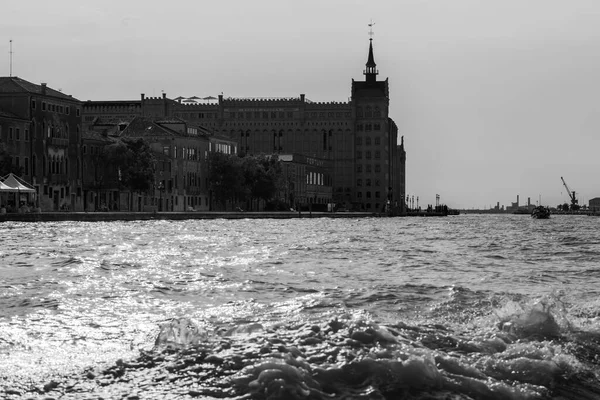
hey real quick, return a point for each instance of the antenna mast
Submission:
(11, 53)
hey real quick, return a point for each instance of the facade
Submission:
(594, 204)
(308, 181)
(358, 136)
(99, 180)
(53, 138)
(181, 182)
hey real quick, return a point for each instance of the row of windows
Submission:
(316, 178)
(359, 154)
(368, 127)
(359, 182)
(285, 123)
(368, 111)
(52, 107)
(15, 134)
(359, 168)
(368, 195)
(196, 115)
(330, 114)
(359, 141)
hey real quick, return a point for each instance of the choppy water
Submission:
(463, 307)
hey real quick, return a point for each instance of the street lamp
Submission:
(161, 189)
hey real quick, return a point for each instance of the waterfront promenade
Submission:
(176, 216)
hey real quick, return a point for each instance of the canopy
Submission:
(12, 183)
(5, 188)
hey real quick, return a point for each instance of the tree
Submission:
(263, 176)
(226, 180)
(135, 163)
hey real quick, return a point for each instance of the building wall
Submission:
(55, 145)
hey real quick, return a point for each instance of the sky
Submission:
(494, 98)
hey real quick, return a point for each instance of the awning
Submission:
(12, 183)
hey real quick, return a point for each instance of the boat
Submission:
(540, 212)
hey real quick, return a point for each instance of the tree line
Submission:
(247, 179)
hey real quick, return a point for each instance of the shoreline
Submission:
(100, 216)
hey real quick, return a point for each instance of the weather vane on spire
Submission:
(371, 29)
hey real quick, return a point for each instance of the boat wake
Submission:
(531, 352)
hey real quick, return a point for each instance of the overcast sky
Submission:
(494, 98)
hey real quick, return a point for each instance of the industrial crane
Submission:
(571, 194)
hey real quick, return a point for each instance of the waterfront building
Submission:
(358, 136)
(594, 204)
(181, 182)
(308, 181)
(47, 143)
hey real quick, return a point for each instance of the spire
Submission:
(371, 70)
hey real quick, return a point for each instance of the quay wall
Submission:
(176, 216)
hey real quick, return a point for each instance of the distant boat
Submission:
(540, 212)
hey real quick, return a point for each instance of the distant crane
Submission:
(571, 194)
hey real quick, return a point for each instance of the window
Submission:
(377, 168)
(84, 149)
(18, 134)
(358, 168)
(368, 127)
(10, 133)
(368, 155)
(377, 112)
(265, 115)
(43, 106)
(359, 195)
(368, 182)
(359, 111)
(368, 112)
(368, 195)
(26, 135)
(290, 114)
(167, 150)
(368, 168)
(377, 154)
(77, 112)
(33, 104)
(377, 127)
(359, 155)
(377, 141)
(68, 110)
(359, 182)
(359, 141)
(377, 195)
(368, 141)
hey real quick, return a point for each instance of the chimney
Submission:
(43, 89)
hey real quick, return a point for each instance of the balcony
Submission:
(62, 142)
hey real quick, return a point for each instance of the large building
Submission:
(43, 135)
(358, 136)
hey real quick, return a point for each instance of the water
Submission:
(463, 307)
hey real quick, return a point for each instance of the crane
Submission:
(571, 194)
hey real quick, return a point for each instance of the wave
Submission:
(531, 352)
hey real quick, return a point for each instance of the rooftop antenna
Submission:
(11, 53)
